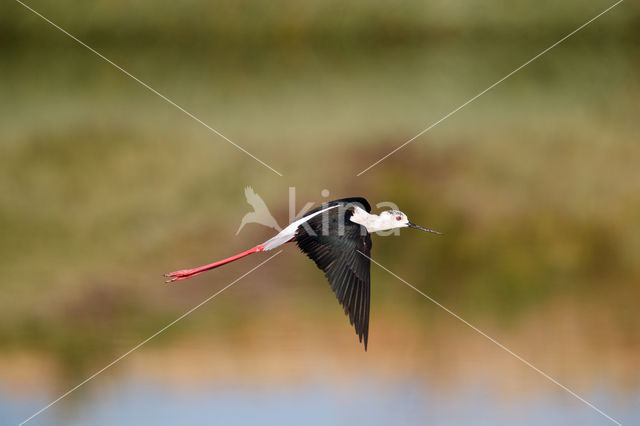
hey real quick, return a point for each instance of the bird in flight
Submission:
(336, 236)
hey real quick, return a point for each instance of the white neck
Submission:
(372, 222)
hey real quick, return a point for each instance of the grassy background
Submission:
(104, 186)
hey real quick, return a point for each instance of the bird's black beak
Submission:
(413, 225)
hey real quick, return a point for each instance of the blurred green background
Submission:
(104, 186)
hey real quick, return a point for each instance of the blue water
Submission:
(138, 402)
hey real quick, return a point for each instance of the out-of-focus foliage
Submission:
(287, 22)
(104, 186)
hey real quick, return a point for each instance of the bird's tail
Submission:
(188, 273)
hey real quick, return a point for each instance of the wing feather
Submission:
(337, 255)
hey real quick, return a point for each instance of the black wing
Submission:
(335, 251)
(345, 202)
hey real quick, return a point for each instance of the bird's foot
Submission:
(182, 274)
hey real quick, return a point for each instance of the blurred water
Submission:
(144, 402)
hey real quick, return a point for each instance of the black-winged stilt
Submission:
(336, 237)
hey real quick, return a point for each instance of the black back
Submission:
(335, 251)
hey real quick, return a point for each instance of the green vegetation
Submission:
(104, 186)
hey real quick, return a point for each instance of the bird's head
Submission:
(391, 219)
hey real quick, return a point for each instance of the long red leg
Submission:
(188, 273)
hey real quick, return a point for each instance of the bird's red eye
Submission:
(398, 217)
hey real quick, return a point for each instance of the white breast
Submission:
(369, 221)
